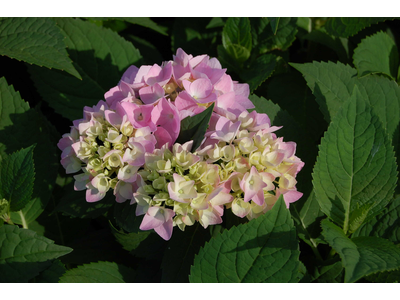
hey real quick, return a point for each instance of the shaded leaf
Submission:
(36, 41)
(263, 250)
(377, 54)
(180, 252)
(125, 216)
(99, 54)
(237, 31)
(194, 128)
(99, 272)
(21, 127)
(52, 274)
(74, 204)
(361, 256)
(23, 253)
(129, 241)
(17, 174)
(385, 225)
(274, 22)
(356, 168)
(259, 70)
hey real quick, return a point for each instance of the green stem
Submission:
(24, 224)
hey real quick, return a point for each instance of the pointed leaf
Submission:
(263, 250)
(21, 127)
(99, 54)
(274, 24)
(37, 41)
(237, 31)
(99, 272)
(355, 166)
(17, 174)
(332, 85)
(23, 253)
(259, 71)
(194, 128)
(345, 27)
(361, 256)
(377, 54)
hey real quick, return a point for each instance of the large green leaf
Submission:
(194, 128)
(332, 273)
(332, 85)
(355, 173)
(259, 70)
(361, 256)
(348, 26)
(21, 127)
(17, 174)
(180, 252)
(23, 253)
(385, 225)
(37, 41)
(274, 22)
(99, 54)
(377, 54)
(99, 272)
(263, 250)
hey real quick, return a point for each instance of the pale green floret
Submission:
(152, 176)
(160, 183)
(113, 183)
(164, 166)
(95, 164)
(149, 189)
(162, 196)
(118, 146)
(127, 129)
(102, 150)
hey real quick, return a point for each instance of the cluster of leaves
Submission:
(332, 83)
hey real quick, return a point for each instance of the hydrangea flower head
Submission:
(126, 145)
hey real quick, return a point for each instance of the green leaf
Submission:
(377, 54)
(36, 41)
(10, 103)
(52, 274)
(356, 167)
(332, 85)
(309, 218)
(385, 225)
(237, 53)
(17, 174)
(129, 241)
(346, 26)
(332, 273)
(194, 128)
(99, 272)
(259, 71)
(237, 31)
(99, 54)
(264, 40)
(21, 127)
(274, 22)
(74, 204)
(23, 253)
(263, 250)
(361, 256)
(180, 252)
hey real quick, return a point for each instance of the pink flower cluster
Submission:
(128, 144)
